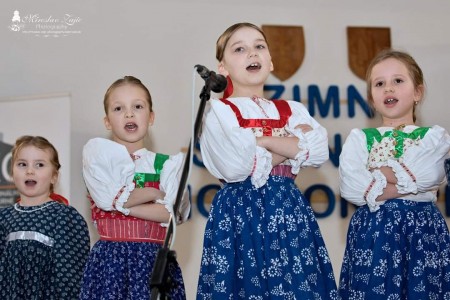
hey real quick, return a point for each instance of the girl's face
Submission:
(128, 116)
(246, 58)
(393, 92)
(33, 174)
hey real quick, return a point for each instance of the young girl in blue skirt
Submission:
(398, 243)
(261, 240)
(133, 191)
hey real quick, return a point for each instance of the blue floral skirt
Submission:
(122, 271)
(401, 251)
(264, 243)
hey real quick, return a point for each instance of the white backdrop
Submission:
(161, 41)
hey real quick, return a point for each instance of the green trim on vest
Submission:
(372, 135)
(141, 178)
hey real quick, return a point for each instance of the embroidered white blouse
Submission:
(230, 152)
(108, 168)
(416, 155)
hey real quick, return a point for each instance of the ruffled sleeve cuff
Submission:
(169, 208)
(122, 197)
(169, 183)
(302, 156)
(261, 167)
(377, 165)
(313, 148)
(374, 190)
(183, 212)
(406, 182)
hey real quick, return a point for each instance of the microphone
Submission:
(217, 82)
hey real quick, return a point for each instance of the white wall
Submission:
(161, 41)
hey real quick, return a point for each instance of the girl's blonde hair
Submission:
(223, 39)
(123, 81)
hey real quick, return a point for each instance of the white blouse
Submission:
(230, 152)
(419, 167)
(109, 170)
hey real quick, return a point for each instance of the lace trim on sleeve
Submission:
(374, 190)
(313, 149)
(122, 197)
(303, 154)
(300, 159)
(169, 206)
(170, 184)
(406, 181)
(183, 210)
(262, 167)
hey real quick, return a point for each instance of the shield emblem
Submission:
(287, 47)
(363, 44)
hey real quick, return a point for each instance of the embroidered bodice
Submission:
(228, 142)
(115, 226)
(390, 145)
(267, 126)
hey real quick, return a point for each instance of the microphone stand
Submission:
(160, 282)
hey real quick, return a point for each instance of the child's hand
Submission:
(389, 174)
(154, 194)
(304, 127)
(162, 195)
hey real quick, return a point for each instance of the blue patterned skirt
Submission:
(122, 271)
(401, 251)
(264, 243)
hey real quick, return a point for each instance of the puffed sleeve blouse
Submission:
(415, 154)
(109, 170)
(230, 152)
